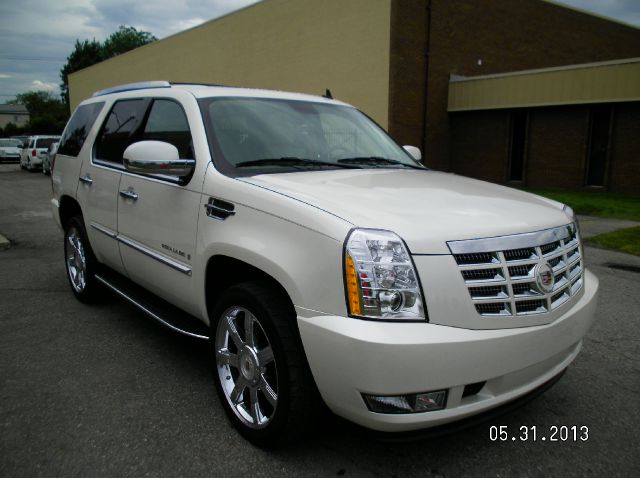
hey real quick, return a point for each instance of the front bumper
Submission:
(349, 357)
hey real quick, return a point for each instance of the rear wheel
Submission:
(260, 371)
(79, 260)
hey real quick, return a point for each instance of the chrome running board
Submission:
(155, 307)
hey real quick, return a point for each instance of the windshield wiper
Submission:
(378, 160)
(292, 161)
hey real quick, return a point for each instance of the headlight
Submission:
(381, 282)
(572, 215)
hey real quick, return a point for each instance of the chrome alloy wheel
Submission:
(76, 260)
(246, 367)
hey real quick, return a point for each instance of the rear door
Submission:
(158, 216)
(74, 149)
(100, 178)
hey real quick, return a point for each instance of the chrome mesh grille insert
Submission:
(501, 272)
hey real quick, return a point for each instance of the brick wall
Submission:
(506, 35)
(479, 144)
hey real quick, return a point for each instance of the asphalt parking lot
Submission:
(103, 391)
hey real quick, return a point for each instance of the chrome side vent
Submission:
(219, 209)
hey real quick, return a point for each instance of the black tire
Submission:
(77, 251)
(294, 411)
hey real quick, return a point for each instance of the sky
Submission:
(36, 36)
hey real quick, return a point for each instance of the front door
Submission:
(158, 217)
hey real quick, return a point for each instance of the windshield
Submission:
(256, 135)
(10, 143)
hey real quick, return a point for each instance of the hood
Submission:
(425, 208)
(10, 149)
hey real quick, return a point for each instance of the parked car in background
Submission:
(10, 150)
(32, 156)
(48, 159)
(23, 140)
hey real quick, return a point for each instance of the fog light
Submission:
(426, 402)
(413, 403)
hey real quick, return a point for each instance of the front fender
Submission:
(306, 263)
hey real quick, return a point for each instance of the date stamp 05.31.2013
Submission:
(534, 433)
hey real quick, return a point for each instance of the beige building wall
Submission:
(604, 82)
(292, 45)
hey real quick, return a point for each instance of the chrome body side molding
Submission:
(179, 266)
(104, 230)
(168, 261)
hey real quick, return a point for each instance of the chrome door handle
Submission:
(86, 179)
(129, 194)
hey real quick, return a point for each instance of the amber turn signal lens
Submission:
(355, 305)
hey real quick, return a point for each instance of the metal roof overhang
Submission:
(604, 82)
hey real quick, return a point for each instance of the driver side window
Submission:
(167, 122)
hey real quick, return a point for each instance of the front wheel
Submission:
(79, 260)
(260, 371)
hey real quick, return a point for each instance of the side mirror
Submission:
(414, 152)
(156, 157)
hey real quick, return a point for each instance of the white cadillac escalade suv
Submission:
(317, 255)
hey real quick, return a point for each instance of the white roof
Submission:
(208, 91)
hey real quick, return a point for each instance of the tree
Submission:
(40, 103)
(125, 39)
(12, 129)
(86, 53)
(47, 114)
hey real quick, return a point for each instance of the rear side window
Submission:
(78, 128)
(120, 129)
(167, 122)
(45, 142)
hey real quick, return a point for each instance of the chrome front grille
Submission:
(508, 275)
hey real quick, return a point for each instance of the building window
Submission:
(517, 144)
(598, 146)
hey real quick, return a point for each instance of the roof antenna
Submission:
(328, 94)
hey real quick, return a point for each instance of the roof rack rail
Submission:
(133, 86)
(191, 83)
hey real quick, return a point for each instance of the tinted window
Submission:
(120, 129)
(78, 128)
(45, 142)
(598, 145)
(518, 145)
(167, 122)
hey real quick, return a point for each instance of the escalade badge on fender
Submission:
(544, 277)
